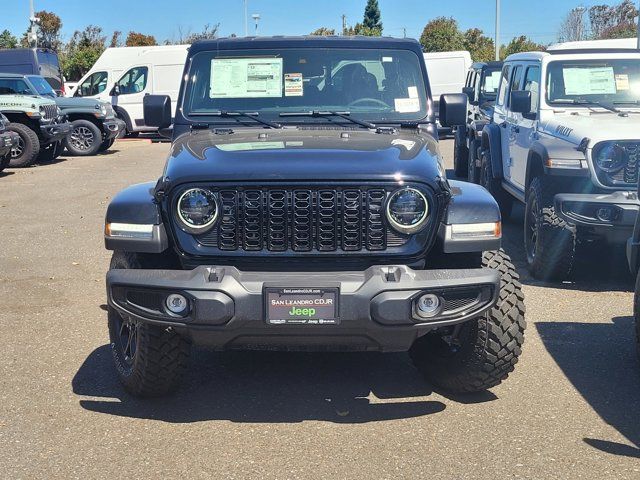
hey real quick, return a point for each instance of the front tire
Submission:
(493, 185)
(150, 360)
(84, 140)
(550, 242)
(460, 155)
(480, 353)
(26, 152)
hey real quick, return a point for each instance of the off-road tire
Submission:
(487, 348)
(161, 355)
(551, 255)
(493, 185)
(84, 140)
(460, 156)
(472, 170)
(30, 146)
(106, 144)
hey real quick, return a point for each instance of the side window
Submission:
(504, 84)
(93, 85)
(133, 81)
(515, 80)
(532, 84)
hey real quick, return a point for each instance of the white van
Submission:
(447, 71)
(124, 75)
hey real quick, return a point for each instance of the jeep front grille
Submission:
(50, 112)
(627, 176)
(302, 219)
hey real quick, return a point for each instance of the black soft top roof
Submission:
(309, 41)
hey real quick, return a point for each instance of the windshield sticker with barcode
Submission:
(246, 78)
(589, 81)
(407, 105)
(622, 81)
(293, 85)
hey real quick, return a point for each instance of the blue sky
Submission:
(163, 18)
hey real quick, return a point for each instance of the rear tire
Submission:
(85, 138)
(150, 360)
(549, 241)
(460, 155)
(26, 153)
(480, 353)
(493, 185)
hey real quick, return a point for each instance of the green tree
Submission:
(82, 51)
(611, 21)
(442, 35)
(136, 39)
(623, 30)
(520, 44)
(481, 47)
(47, 31)
(323, 32)
(372, 16)
(7, 40)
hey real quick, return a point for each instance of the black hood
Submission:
(301, 154)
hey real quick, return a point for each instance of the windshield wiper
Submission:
(319, 113)
(580, 101)
(233, 113)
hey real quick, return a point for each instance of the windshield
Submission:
(41, 86)
(612, 81)
(374, 85)
(490, 82)
(13, 86)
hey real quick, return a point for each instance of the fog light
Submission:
(428, 305)
(176, 303)
(604, 214)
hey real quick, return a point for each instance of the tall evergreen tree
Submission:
(372, 16)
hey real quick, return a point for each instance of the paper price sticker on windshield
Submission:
(293, 85)
(407, 105)
(622, 81)
(589, 81)
(246, 78)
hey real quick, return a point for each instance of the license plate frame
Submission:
(302, 299)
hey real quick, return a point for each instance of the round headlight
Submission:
(611, 158)
(197, 209)
(407, 210)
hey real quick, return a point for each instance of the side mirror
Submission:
(520, 102)
(157, 111)
(453, 109)
(115, 91)
(470, 92)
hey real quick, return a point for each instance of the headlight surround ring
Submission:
(186, 208)
(610, 157)
(412, 214)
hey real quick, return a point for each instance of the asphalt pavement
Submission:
(570, 410)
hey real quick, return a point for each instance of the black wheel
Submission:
(460, 155)
(505, 201)
(472, 169)
(478, 354)
(106, 144)
(549, 241)
(150, 360)
(85, 138)
(26, 152)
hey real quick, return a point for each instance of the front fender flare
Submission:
(491, 140)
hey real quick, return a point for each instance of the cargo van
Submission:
(125, 75)
(34, 61)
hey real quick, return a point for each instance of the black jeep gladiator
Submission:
(304, 205)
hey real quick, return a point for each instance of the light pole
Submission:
(497, 39)
(246, 21)
(33, 20)
(638, 32)
(256, 18)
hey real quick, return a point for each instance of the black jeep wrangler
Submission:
(304, 205)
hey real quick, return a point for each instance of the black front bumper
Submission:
(376, 306)
(112, 127)
(610, 215)
(8, 140)
(53, 132)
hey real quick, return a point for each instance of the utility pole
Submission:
(344, 24)
(638, 32)
(33, 20)
(404, 32)
(246, 21)
(497, 39)
(256, 18)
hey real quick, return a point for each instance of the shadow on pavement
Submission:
(600, 361)
(269, 387)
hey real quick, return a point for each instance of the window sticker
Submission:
(293, 85)
(387, 59)
(589, 81)
(246, 78)
(622, 82)
(413, 92)
(407, 105)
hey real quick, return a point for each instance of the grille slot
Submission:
(50, 112)
(302, 220)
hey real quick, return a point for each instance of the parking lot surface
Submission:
(571, 409)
